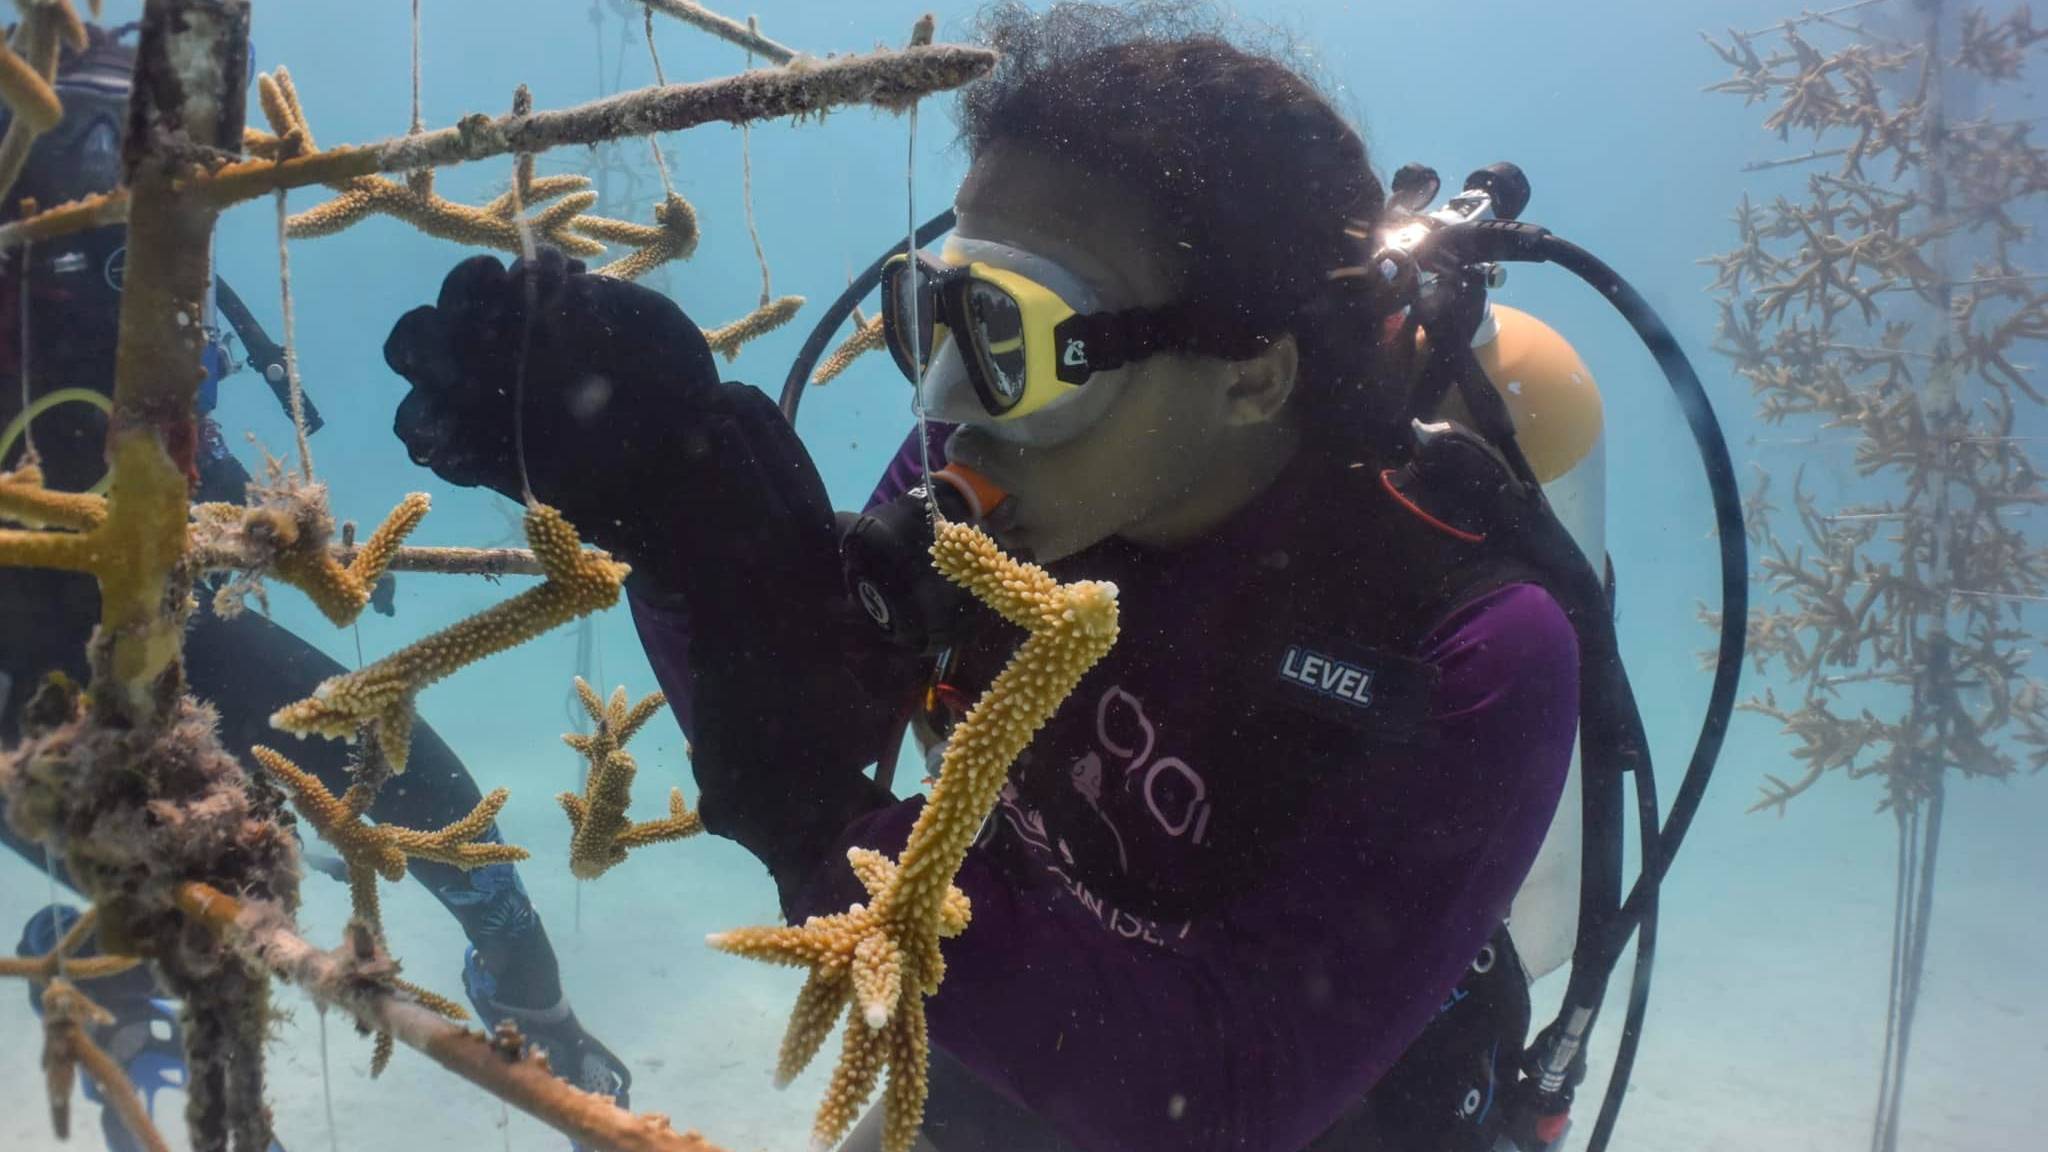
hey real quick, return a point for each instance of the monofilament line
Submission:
(747, 175)
(916, 341)
(327, 1082)
(531, 289)
(28, 428)
(291, 344)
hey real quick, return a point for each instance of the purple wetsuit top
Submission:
(1193, 926)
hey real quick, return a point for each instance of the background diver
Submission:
(1218, 907)
(246, 666)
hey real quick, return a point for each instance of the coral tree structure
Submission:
(188, 864)
(1896, 617)
(381, 694)
(876, 963)
(600, 833)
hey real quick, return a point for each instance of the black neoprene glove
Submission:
(705, 489)
(612, 375)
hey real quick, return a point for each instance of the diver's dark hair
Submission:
(1252, 171)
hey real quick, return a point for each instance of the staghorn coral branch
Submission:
(24, 500)
(377, 850)
(866, 338)
(26, 90)
(730, 338)
(879, 961)
(59, 961)
(25, 82)
(285, 532)
(600, 834)
(674, 237)
(384, 848)
(497, 225)
(67, 1046)
(381, 694)
(509, 1071)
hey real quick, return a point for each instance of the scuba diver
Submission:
(1278, 874)
(246, 666)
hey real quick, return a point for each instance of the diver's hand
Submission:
(611, 373)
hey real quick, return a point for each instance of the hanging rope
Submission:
(28, 436)
(418, 125)
(291, 343)
(747, 175)
(668, 188)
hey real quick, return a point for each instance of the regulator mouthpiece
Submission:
(977, 493)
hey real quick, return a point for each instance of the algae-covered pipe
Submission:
(190, 72)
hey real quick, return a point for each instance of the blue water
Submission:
(1767, 1019)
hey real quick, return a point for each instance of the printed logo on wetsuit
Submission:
(1327, 676)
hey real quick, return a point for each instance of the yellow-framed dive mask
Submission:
(1009, 340)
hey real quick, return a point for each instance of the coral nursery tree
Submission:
(1883, 315)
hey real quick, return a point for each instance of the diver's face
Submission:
(1166, 417)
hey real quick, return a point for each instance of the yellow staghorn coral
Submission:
(382, 693)
(866, 338)
(24, 500)
(880, 960)
(673, 237)
(373, 850)
(341, 592)
(497, 224)
(600, 834)
(285, 533)
(68, 1014)
(59, 961)
(772, 314)
(381, 1052)
(414, 201)
(27, 93)
(25, 82)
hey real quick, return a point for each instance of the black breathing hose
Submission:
(807, 358)
(1639, 982)
(1507, 240)
(1510, 240)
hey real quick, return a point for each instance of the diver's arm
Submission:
(622, 423)
(1266, 1021)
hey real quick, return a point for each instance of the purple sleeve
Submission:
(908, 466)
(1274, 1015)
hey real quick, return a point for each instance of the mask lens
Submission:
(998, 344)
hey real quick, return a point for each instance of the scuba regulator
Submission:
(886, 557)
(1435, 265)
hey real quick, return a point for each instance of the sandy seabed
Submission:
(1764, 1034)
